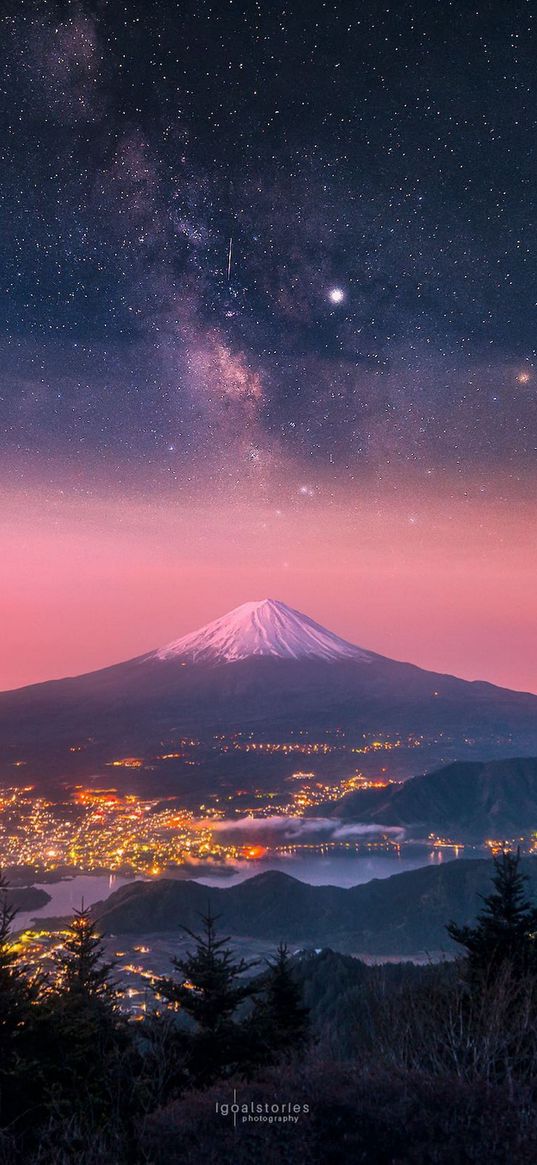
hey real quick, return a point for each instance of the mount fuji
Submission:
(263, 672)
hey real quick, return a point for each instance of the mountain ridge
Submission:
(405, 914)
(466, 800)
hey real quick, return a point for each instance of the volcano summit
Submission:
(267, 627)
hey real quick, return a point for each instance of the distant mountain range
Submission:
(465, 801)
(404, 915)
(263, 669)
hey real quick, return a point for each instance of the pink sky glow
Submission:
(89, 583)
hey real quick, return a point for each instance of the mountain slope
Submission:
(465, 800)
(402, 915)
(301, 682)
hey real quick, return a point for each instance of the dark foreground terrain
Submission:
(310, 1058)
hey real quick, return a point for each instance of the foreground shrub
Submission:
(372, 1116)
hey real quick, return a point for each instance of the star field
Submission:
(266, 244)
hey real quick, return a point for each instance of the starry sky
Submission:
(269, 289)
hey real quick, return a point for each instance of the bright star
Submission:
(336, 295)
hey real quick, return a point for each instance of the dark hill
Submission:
(466, 801)
(258, 906)
(402, 915)
(26, 898)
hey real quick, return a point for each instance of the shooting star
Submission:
(229, 253)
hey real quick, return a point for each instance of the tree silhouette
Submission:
(15, 990)
(87, 1032)
(505, 934)
(82, 968)
(280, 1017)
(209, 990)
(20, 1016)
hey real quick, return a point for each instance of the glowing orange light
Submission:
(254, 852)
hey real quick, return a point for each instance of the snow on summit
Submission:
(267, 627)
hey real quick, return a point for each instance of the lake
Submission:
(70, 894)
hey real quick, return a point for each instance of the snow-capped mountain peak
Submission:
(267, 627)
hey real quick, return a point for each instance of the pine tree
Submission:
(505, 934)
(87, 1029)
(90, 1052)
(280, 1018)
(15, 990)
(82, 968)
(20, 1012)
(210, 989)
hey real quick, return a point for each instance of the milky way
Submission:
(279, 255)
(374, 169)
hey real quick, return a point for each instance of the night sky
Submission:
(269, 290)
